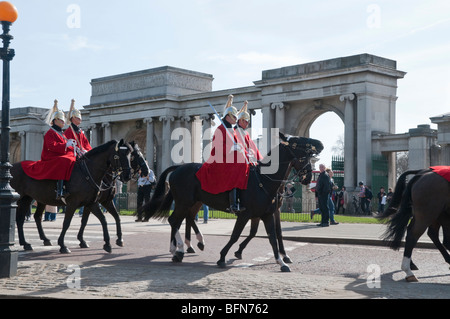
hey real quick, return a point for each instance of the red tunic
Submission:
(444, 171)
(82, 141)
(225, 169)
(253, 152)
(56, 162)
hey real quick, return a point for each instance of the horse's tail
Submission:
(398, 194)
(401, 217)
(159, 204)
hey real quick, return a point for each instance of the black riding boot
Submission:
(61, 194)
(234, 202)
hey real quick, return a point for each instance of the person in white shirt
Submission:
(145, 184)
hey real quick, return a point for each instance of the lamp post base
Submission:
(8, 253)
(8, 263)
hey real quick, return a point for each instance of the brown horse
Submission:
(429, 193)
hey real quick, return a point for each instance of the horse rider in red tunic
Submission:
(227, 168)
(244, 138)
(58, 154)
(74, 132)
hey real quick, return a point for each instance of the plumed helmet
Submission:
(55, 113)
(243, 113)
(229, 108)
(73, 112)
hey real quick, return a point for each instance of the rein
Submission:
(285, 180)
(115, 173)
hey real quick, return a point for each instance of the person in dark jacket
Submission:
(323, 189)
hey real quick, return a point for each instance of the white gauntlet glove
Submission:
(72, 143)
(236, 148)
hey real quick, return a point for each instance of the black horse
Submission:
(304, 173)
(429, 194)
(83, 186)
(105, 198)
(259, 198)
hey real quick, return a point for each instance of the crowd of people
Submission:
(330, 200)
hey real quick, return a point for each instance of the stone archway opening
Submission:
(329, 129)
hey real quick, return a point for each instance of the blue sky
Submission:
(61, 45)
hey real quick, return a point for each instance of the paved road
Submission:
(143, 269)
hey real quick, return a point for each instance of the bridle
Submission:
(120, 164)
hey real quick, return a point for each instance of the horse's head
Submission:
(301, 146)
(301, 150)
(121, 162)
(137, 160)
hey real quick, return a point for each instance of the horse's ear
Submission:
(282, 137)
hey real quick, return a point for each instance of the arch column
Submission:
(150, 145)
(206, 135)
(268, 123)
(23, 146)
(107, 132)
(94, 136)
(166, 134)
(349, 146)
(280, 110)
(186, 122)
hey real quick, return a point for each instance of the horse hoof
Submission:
(221, 264)
(119, 242)
(238, 255)
(107, 248)
(47, 243)
(287, 260)
(83, 244)
(178, 257)
(285, 269)
(27, 247)
(201, 246)
(411, 278)
(190, 250)
(64, 250)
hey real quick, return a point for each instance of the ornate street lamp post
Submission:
(8, 255)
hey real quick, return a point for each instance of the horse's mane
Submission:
(100, 149)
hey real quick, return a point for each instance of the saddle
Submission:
(443, 171)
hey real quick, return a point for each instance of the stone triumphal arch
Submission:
(148, 105)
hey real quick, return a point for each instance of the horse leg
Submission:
(187, 236)
(95, 208)
(84, 220)
(253, 231)
(277, 216)
(269, 223)
(433, 233)
(66, 224)
(191, 220)
(176, 242)
(38, 220)
(23, 205)
(415, 230)
(111, 208)
(237, 230)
